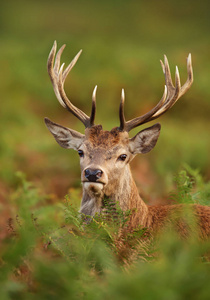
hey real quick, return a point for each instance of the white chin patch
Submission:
(93, 188)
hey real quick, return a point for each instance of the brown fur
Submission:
(186, 219)
(100, 138)
(102, 150)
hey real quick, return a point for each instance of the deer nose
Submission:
(93, 174)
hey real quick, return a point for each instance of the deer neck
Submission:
(127, 195)
(120, 190)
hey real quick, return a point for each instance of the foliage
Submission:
(45, 258)
(191, 187)
(122, 43)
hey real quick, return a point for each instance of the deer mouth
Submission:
(93, 182)
(94, 185)
(94, 188)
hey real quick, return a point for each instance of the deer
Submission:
(105, 155)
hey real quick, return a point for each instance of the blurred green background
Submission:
(122, 44)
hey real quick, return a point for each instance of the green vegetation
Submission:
(122, 44)
(46, 257)
(46, 252)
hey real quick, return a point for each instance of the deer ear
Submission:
(65, 137)
(145, 140)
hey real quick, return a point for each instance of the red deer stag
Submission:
(105, 155)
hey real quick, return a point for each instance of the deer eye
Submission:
(122, 157)
(81, 153)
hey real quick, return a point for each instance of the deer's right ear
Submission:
(65, 137)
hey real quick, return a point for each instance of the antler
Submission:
(170, 96)
(58, 75)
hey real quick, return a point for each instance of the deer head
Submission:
(105, 155)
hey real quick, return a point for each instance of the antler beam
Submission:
(58, 75)
(170, 96)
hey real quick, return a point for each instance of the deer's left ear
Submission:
(145, 140)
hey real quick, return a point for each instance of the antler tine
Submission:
(93, 111)
(58, 59)
(170, 96)
(58, 75)
(167, 72)
(53, 70)
(121, 111)
(50, 60)
(71, 65)
(189, 80)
